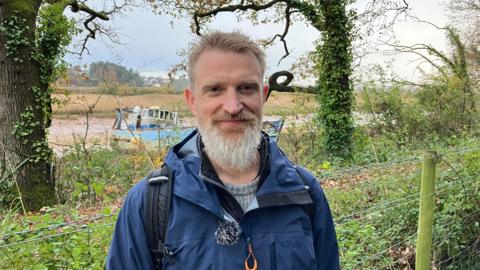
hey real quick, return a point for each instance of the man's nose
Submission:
(232, 103)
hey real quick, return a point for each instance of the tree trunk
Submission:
(334, 68)
(22, 129)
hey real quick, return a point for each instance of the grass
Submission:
(375, 210)
(375, 206)
(104, 105)
(57, 238)
(78, 103)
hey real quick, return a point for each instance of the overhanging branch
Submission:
(282, 36)
(78, 6)
(231, 8)
(90, 25)
(254, 7)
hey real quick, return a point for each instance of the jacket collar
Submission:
(278, 175)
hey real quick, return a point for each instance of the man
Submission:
(238, 202)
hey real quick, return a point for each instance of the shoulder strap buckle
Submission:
(157, 179)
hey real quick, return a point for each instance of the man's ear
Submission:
(265, 92)
(190, 99)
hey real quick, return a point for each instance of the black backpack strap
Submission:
(308, 208)
(159, 196)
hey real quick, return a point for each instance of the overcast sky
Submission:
(150, 42)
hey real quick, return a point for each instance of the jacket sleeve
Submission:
(129, 248)
(325, 240)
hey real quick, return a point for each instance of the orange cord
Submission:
(250, 254)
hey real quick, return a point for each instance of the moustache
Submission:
(241, 116)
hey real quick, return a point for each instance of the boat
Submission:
(155, 128)
(151, 127)
(273, 128)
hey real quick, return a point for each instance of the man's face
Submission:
(227, 93)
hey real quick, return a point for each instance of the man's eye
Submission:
(214, 89)
(247, 87)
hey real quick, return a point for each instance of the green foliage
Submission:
(24, 128)
(73, 236)
(375, 211)
(111, 73)
(393, 112)
(53, 34)
(15, 30)
(25, 7)
(8, 191)
(408, 114)
(357, 239)
(445, 104)
(46, 49)
(377, 219)
(56, 239)
(95, 175)
(333, 67)
(458, 207)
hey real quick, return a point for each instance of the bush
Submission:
(393, 112)
(90, 176)
(56, 238)
(378, 219)
(436, 107)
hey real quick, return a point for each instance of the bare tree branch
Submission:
(78, 6)
(410, 83)
(231, 8)
(465, 5)
(282, 36)
(291, 7)
(90, 25)
(416, 49)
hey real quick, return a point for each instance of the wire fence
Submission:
(416, 159)
(410, 239)
(56, 226)
(449, 179)
(394, 203)
(384, 251)
(355, 170)
(43, 238)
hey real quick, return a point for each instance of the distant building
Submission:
(154, 81)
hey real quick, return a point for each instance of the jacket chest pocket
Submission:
(284, 251)
(205, 254)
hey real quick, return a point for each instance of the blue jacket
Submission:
(276, 224)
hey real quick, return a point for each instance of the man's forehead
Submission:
(213, 69)
(207, 56)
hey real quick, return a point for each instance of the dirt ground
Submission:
(64, 132)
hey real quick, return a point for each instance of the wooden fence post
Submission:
(425, 217)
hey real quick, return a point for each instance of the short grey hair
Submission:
(227, 41)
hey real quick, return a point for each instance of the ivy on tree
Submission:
(33, 39)
(333, 54)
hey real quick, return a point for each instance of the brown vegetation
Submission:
(104, 105)
(74, 105)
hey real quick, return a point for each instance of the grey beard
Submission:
(234, 153)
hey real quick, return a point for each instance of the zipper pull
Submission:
(250, 255)
(168, 255)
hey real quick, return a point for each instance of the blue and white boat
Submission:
(154, 128)
(149, 127)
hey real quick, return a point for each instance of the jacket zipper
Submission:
(250, 261)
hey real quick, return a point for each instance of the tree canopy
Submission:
(114, 73)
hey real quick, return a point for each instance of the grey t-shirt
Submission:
(244, 193)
